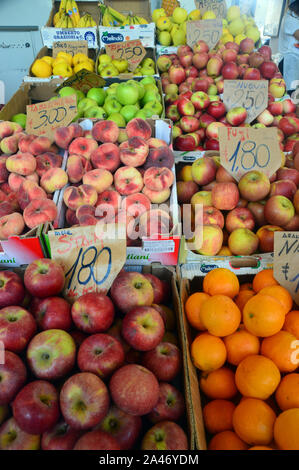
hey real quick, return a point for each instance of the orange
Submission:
(208, 352)
(286, 430)
(260, 448)
(253, 421)
(283, 349)
(226, 440)
(243, 297)
(218, 384)
(263, 279)
(218, 416)
(246, 286)
(291, 323)
(221, 281)
(193, 307)
(220, 315)
(240, 345)
(280, 294)
(263, 315)
(287, 393)
(257, 377)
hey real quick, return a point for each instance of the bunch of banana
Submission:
(63, 21)
(73, 11)
(86, 21)
(110, 16)
(139, 20)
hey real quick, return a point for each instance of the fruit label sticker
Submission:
(286, 261)
(43, 118)
(71, 47)
(216, 6)
(132, 51)
(83, 81)
(91, 257)
(209, 31)
(249, 94)
(243, 149)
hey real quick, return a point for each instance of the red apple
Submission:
(93, 313)
(285, 188)
(216, 109)
(17, 326)
(166, 435)
(268, 69)
(230, 71)
(43, 278)
(170, 406)
(243, 241)
(164, 361)
(240, 217)
(143, 328)
(266, 237)
(290, 174)
(12, 291)
(158, 287)
(13, 376)
(254, 186)
(131, 289)
(96, 440)
(257, 210)
(124, 427)
(60, 437)
(53, 313)
(203, 171)
(225, 196)
(12, 437)
(279, 210)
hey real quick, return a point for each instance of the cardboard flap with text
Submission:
(91, 257)
(286, 262)
(132, 51)
(217, 6)
(71, 47)
(84, 81)
(209, 31)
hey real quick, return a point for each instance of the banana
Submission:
(62, 5)
(56, 18)
(76, 15)
(81, 22)
(119, 17)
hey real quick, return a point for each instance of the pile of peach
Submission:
(108, 178)
(239, 218)
(29, 175)
(247, 351)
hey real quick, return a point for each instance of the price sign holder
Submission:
(84, 81)
(286, 261)
(91, 257)
(132, 51)
(209, 31)
(43, 118)
(217, 6)
(250, 94)
(71, 47)
(243, 149)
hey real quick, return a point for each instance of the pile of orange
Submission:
(247, 351)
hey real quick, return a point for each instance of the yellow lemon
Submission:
(79, 57)
(84, 65)
(239, 38)
(48, 59)
(66, 56)
(226, 38)
(63, 69)
(233, 13)
(41, 69)
(209, 15)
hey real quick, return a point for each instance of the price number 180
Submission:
(249, 155)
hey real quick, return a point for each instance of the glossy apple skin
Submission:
(13, 376)
(17, 326)
(93, 313)
(171, 404)
(60, 437)
(12, 291)
(225, 196)
(130, 290)
(254, 186)
(257, 210)
(266, 237)
(35, 408)
(285, 188)
(159, 288)
(97, 440)
(164, 361)
(240, 217)
(143, 328)
(123, 427)
(279, 210)
(243, 241)
(53, 313)
(12, 437)
(44, 278)
(171, 437)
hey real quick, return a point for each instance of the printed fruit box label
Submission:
(51, 35)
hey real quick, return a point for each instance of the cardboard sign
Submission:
(250, 94)
(243, 149)
(71, 47)
(43, 118)
(286, 261)
(209, 31)
(91, 257)
(132, 51)
(217, 6)
(84, 81)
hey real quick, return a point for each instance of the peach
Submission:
(40, 145)
(21, 163)
(158, 179)
(6, 129)
(123, 218)
(47, 160)
(155, 143)
(33, 177)
(123, 136)
(13, 200)
(76, 167)
(161, 156)
(110, 197)
(84, 210)
(99, 179)
(64, 135)
(9, 145)
(39, 211)
(138, 127)
(82, 146)
(156, 197)
(154, 222)
(25, 141)
(75, 196)
(71, 218)
(6, 208)
(128, 180)
(11, 224)
(28, 191)
(106, 157)
(134, 151)
(136, 204)
(17, 128)
(3, 170)
(105, 131)
(15, 181)
(53, 180)
(88, 220)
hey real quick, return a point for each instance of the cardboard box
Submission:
(30, 78)
(50, 34)
(150, 53)
(22, 249)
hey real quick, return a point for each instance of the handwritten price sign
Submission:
(217, 6)
(209, 31)
(250, 94)
(243, 149)
(132, 51)
(91, 257)
(43, 118)
(71, 47)
(286, 261)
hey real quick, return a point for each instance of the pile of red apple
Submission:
(239, 218)
(192, 81)
(95, 375)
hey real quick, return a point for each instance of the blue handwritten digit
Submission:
(105, 248)
(63, 113)
(55, 112)
(73, 269)
(137, 50)
(88, 265)
(250, 152)
(43, 115)
(234, 157)
(259, 99)
(257, 155)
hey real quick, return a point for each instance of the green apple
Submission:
(142, 114)
(155, 107)
(112, 105)
(86, 103)
(127, 93)
(151, 95)
(148, 62)
(66, 91)
(139, 87)
(97, 94)
(146, 80)
(118, 119)
(79, 115)
(95, 112)
(151, 86)
(129, 111)
(54, 98)
(146, 112)
(80, 95)
(147, 70)
(20, 118)
(111, 91)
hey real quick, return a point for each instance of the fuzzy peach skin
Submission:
(40, 145)
(39, 212)
(76, 196)
(12, 224)
(133, 152)
(25, 141)
(128, 180)
(158, 179)
(83, 146)
(139, 127)
(106, 157)
(99, 179)
(136, 204)
(6, 129)
(76, 167)
(53, 180)
(156, 197)
(21, 163)
(46, 161)
(28, 191)
(15, 180)
(9, 145)
(4, 174)
(105, 131)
